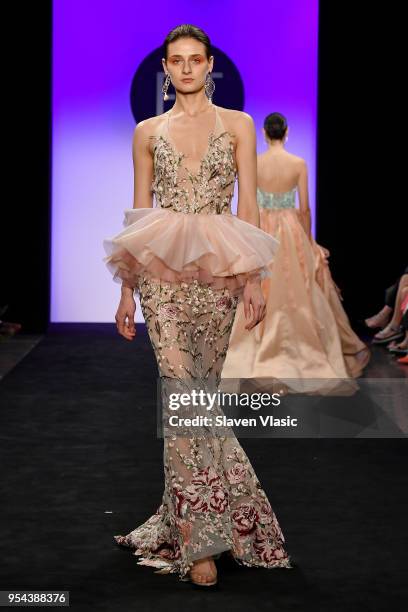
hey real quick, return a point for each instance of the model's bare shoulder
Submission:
(235, 121)
(148, 127)
(298, 161)
(146, 130)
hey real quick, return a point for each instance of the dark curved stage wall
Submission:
(359, 214)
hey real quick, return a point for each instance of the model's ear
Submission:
(164, 64)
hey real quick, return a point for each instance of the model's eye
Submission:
(197, 59)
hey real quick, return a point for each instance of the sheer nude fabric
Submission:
(212, 500)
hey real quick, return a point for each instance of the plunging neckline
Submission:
(181, 155)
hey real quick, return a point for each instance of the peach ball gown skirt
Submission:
(306, 335)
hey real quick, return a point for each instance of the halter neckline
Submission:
(216, 122)
(211, 135)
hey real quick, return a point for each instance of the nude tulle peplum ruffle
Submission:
(219, 249)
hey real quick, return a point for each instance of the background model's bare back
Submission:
(278, 171)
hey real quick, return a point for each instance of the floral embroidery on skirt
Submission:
(212, 500)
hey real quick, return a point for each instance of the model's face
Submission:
(187, 64)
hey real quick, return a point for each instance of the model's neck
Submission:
(276, 145)
(192, 104)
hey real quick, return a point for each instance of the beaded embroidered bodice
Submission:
(274, 200)
(210, 189)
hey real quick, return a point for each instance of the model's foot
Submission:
(204, 572)
(380, 319)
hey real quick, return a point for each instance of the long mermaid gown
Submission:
(188, 259)
(305, 339)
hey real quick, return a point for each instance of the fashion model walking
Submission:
(305, 339)
(192, 261)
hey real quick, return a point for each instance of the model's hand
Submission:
(254, 300)
(326, 252)
(125, 317)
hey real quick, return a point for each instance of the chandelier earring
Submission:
(209, 86)
(165, 87)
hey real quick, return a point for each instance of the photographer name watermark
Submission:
(224, 421)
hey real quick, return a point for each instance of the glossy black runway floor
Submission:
(81, 461)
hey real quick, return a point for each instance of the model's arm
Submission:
(304, 209)
(142, 167)
(142, 176)
(245, 154)
(142, 198)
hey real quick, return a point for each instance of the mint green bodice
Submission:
(271, 200)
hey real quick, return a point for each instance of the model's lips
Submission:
(187, 80)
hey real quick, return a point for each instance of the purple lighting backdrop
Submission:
(97, 48)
